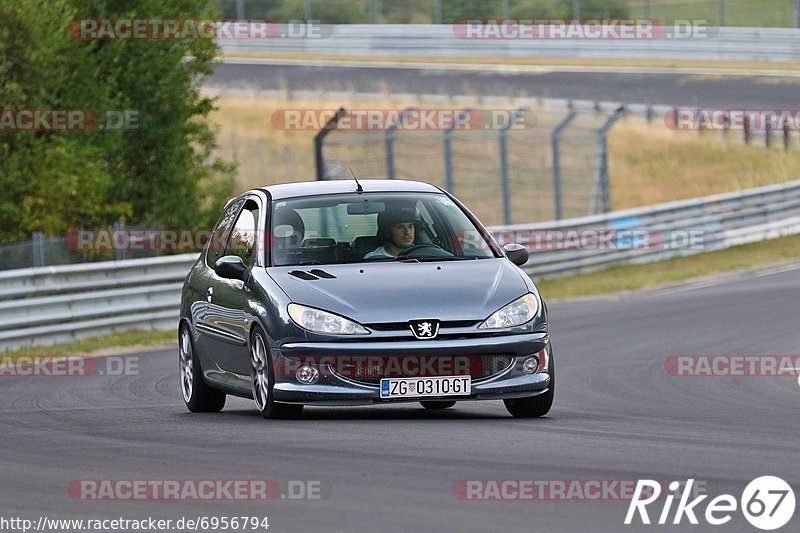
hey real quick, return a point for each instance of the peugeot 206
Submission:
(346, 293)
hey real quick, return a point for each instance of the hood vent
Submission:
(303, 275)
(311, 275)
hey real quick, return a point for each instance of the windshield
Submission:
(354, 228)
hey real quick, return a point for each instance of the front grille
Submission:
(370, 370)
(404, 326)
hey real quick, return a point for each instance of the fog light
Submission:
(531, 365)
(307, 374)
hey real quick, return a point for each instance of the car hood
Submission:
(396, 292)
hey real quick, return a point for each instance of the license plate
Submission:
(423, 387)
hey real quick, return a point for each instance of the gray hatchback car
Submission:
(347, 293)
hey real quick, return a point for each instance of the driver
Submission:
(397, 230)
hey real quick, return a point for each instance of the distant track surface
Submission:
(617, 415)
(654, 86)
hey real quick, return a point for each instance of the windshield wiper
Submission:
(427, 258)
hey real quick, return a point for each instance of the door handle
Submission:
(209, 294)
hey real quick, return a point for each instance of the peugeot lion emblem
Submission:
(425, 329)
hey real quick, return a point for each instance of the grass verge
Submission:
(650, 275)
(99, 345)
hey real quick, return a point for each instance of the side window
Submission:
(220, 234)
(242, 241)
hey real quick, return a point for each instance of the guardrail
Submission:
(425, 40)
(657, 232)
(49, 305)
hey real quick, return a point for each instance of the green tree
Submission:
(161, 173)
(613, 9)
(325, 11)
(456, 10)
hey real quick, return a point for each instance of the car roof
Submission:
(314, 188)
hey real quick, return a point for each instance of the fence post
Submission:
(796, 13)
(767, 134)
(119, 251)
(448, 160)
(319, 140)
(746, 128)
(787, 141)
(605, 182)
(555, 142)
(37, 242)
(449, 182)
(503, 138)
(388, 142)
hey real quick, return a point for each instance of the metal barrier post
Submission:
(503, 138)
(319, 139)
(556, 141)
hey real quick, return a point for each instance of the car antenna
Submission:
(359, 189)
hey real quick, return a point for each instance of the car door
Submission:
(205, 283)
(228, 318)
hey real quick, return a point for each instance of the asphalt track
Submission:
(617, 415)
(646, 86)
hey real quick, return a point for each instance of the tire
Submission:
(262, 380)
(198, 396)
(434, 405)
(535, 406)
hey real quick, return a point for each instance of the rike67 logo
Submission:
(767, 502)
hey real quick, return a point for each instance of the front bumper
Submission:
(334, 389)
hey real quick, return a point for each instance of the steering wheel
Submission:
(429, 250)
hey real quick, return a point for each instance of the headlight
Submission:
(514, 314)
(320, 321)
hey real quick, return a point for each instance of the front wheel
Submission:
(197, 394)
(535, 406)
(262, 381)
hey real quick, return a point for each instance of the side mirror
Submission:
(516, 253)
(230, 267)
